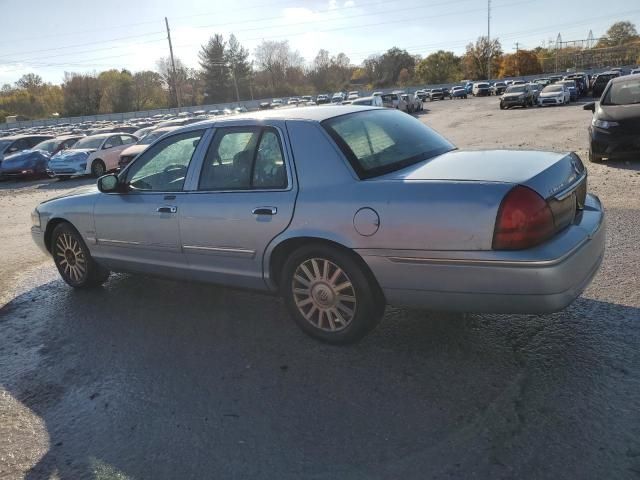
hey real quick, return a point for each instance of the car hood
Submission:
(26, 154)
(545, 172)
(513, 95)
(76, 192)
(72, 153)
(133, 150)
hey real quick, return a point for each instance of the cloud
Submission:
(349, 3)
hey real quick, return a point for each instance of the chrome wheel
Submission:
(71, 258)
(324, 294)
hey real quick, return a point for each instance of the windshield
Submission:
(515, 89)
(483, 85)
(381, 141)
(47, 145)
(622, 93)
(552, 89)
(603, 78)
(89, 142)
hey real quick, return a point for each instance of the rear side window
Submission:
(380, 141)
(127, 139)
(244, 158)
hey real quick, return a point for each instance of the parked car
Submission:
(582, 82)
(394, 100)
(436, 94)
(372, 101)
(542, 81)
(261, 106)
(33, 161)
(554, 78)
(293, 101)
(353, 95)
(458, 92)
(95, 155)
(600, 81)
(306, 99)
(337, 97)
(414, 104)
(516, 95)
(322, 99)
(132, 151)
(276, 102)
(16, 143)
(404, 220)
(613, 133)
(481, 89)
(535, 88)
(140, 133)
(635, 71)
(377, 94)
(498, 88)
(554, 94)
(573, 89)
(421, 94)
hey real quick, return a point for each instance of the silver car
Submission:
(341, 210)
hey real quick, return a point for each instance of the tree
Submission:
(619, 33)
(117, 91)
(476, 58)
(390, 64)
(82, 94)
(175, 84)
(215, 69)
(524, 62)
(30, 81)
(147, 91)
(237, 59)
(276, 61)
(440, 67)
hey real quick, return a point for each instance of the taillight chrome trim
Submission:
(565, 192)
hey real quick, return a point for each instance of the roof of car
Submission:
(624, 78)
(313, 114)
(18, 137)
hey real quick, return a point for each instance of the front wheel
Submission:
(98, 168)
(329, 295)
(73, 260)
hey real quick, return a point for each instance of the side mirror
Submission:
(590, 106)
(108, 183)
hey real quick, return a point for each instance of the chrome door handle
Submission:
(264, 211)
(167, 209)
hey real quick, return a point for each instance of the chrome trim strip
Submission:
(122, 242)
(565, 192)
(220, 249)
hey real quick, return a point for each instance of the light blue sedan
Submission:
(341, 210)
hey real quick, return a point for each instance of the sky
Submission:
(52, 37)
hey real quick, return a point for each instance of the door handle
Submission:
(264, 211)
(167, 209)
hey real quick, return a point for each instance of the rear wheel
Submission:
(98, 168)
(329, 295)
(73, 260)
(594, 158)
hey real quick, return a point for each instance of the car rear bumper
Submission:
(543, 279)
(613, 145)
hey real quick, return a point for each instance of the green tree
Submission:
(148, 92)
(82, 94)
(439, 67)
(237, 59)
(475, 60)
(215, 69)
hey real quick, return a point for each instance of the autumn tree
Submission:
(476, 58)
(619, 33)
(523, 62)
(439, 67)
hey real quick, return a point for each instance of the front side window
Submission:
(163, 167)
(113, 141)
(127, 139)
(89, 142)
(380, 141)
(243, 158)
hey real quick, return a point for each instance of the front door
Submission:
(244, 198)
(138, 228)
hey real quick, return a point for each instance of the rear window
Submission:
(380, 141)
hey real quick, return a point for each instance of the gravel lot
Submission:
(157, 379)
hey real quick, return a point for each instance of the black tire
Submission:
(501, 106)
(98, 168)
(594, 158)
(73, 259)
(315, 319)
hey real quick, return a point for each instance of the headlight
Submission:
(35, 218)
(603, 123)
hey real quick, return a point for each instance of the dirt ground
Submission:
(154, 379)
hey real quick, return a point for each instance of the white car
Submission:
(95, 155)
(554, 94)
(353, 95)
(481, 89)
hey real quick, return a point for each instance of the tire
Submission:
(501, 106)
(98, 168)
(594, 158)
(73, 259)
(315, 307)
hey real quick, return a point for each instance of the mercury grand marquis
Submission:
(341, 210)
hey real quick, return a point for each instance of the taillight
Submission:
(524, 220)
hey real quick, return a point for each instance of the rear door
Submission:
(243, 197)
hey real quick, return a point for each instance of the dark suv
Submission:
(517, 95)
(600, 81)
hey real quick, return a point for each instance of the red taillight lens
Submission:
(524, 220)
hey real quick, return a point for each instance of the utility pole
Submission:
(173, 64)
(558, 47)
(518, 58)
(489, 39)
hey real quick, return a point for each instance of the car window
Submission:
(229, 159)
(20, 144)
(113, 141)
(70, 143)
(127, 139)
(163, 167)
(269, 170)
(622, 93)
(380, 141)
